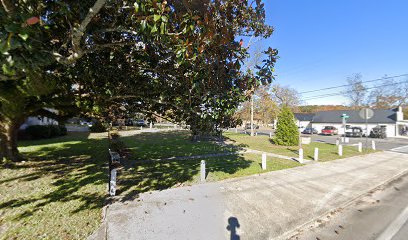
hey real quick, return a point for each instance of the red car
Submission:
(329, 130)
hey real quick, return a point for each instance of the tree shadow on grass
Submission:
(77, 167)
(160, 175)
(72, 163)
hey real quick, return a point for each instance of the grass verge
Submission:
(327, 152)
(59, 191)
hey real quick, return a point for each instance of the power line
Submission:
(342, 93)
(345, 85)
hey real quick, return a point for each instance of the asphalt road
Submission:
(379, 215)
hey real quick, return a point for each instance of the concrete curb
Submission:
(101, 233)
(292, 233)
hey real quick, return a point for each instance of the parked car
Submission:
(248, 126)
(309, 131)
(329, 130)
(354, 132)
(379, 132)
(140, 123)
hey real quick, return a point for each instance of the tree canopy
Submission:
(178, 59)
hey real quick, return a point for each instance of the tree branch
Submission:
(78, 33)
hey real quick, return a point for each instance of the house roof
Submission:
(304, 116)
(380, 116)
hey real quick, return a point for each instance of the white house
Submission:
(393, 119)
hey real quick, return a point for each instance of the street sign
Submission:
(366, 113)
(344, 116)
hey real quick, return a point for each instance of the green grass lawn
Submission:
(327, 151)
(58, 193)
(156, 145)
(166, 174)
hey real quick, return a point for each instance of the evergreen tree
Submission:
(286, 132)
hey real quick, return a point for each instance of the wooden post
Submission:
(360, 147)
(340, 150)
(316, 154)
(202, 170)
(263, 161)
(300, 155)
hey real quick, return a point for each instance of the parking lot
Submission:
(381, 144)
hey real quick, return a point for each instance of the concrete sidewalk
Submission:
(266, 206)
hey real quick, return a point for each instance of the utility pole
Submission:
(252, 115)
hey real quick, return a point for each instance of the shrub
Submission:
(38, 131)
(63, 130)
(98, 127)
(54, 131)
(287, 133)
(43, 131)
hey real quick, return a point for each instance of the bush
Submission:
(44, 131)
(54, 131)
(287, 133)
(98, 127)
(38, 131)
(63, 130)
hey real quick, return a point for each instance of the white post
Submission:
(270, 134)
(126, 128)
(360, 147)
(263, 161)
(202, 165)
(151, 125)
(141, 128)
(300, 155)
(337, 142)
(346, 140)
(340, 150)
(236, 130)
(112, 189)
(373, 144)
(316, 154)
(256, 134)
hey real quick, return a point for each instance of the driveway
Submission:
(264, 206)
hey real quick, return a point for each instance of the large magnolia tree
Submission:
(178, 59)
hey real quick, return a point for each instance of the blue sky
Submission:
(321, 42)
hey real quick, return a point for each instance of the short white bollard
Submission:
(300, 155)
(236, 130)
(126, 128)
(337, 142)
(316, 154)
(141, 128)
(112, 183)
(373, 144)
(346, 140)
(256, 134)
(202, 170)
(151, 125)
(263, 161)
(270, 134)
(340, 150)
(360, 147)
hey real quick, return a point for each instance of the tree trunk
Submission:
(8, 145)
